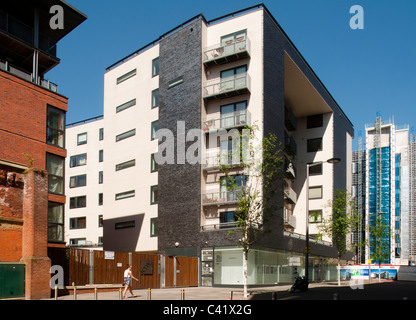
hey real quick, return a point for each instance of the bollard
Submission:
(75, 293)
(182, 294)
(95, 293)
(56, 292)
(336, 296)
(149, 294)
(274, 296)
(120, 294)
(231, 295)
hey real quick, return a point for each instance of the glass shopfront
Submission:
(223, 266)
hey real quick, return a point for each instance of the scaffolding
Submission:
(412, 198)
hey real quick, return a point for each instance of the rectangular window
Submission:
(101, 134)
(227, 219)
(78, 242)
(315, 170)
(78, 181)
(100, 155)
(78, 160)
(126, 76)
(315, 121)
(78, 202)
(314, 145)
(125, 195)
(154, 194)
(315, 193)
(125, 165)
(153, 227)
(175, 82)
(55, 127)
(125, 225)
(126, 135)
(55, 167)
(100, 221)
(126, 105)
(55, 222)
(315, 216)
(100, 177)
(155, 128)
(100, 199)
(155, 67)
(234, 114)
(153, 163)
(82, 138)
(78, 223)
(155, 98)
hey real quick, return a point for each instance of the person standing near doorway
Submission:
(128, 276)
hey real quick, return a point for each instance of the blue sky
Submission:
(367, 71)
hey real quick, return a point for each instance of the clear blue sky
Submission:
(366, 71)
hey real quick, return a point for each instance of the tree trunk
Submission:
(339, 272)
(245, 273)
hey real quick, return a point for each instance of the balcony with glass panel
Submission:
(221, 198)
(221, 88)
(236, 119)
(227, 51)
(230, 161)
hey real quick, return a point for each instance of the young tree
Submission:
(343, 220)
(262, 163)
(379, 240)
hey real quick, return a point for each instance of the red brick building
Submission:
(32, 135)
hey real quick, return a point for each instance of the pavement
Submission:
(374, 290)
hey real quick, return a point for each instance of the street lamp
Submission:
(307, 248)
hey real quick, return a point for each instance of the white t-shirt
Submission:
(127, 273)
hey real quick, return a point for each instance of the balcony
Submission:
(227, 87)
(289, 219)
(219, 226)
(232, 120)
(290, 145)
(221, 198)
(213, 163)
(230, 51)
(5, 66)
(290, 195)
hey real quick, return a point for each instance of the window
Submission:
(315, 193)
(232, 78)
(82, 138)
(315, 216)
(153, 227)
(155, 127)
(78, 202)
(100, 199)
(126, 76)
(234, 42)
(100, 221)
(125, 225)
(315, 121)
(154, 195)
(155, 98)
(175, 82)
(55, 222)
(100, 177)
(228, 219)
(55, 127)
(126, 135)
(155, 67)
(55, 168)
(125, 165)
(78, 242)
(153, 163)
(315, 170)
(125, 195)
(314, 145)
(78, 223)
(101, 134)
(78, 160)
(78, 181)
(126, 105)
(100, 155)
(234, 114)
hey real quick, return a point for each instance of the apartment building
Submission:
(169, 111)
(85, 177)
(32, 135)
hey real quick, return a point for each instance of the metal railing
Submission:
(227, 121)
(221, 198)
(219, 226)
(227, 85)
(230, 48)
(223, 159)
